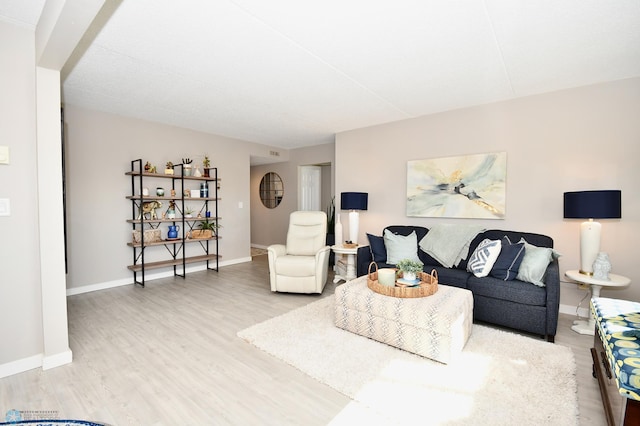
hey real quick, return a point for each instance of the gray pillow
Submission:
(400, 247)
(534, 263)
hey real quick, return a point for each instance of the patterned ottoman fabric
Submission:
(618, 323)
(436, 327)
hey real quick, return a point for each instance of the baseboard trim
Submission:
(57, 360)
(148, 277)
(20, 366)
(96, 287)
(571, 310)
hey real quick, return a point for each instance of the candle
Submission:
(387, 276)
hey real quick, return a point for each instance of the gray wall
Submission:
(585, 138)
(100, 148)
(269, 226)
(20, 291)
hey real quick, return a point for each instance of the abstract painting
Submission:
(467, 186)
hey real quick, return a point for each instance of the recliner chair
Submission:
(302, 265)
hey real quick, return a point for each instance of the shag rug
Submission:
(500, 378)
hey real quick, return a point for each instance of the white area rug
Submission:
(500, 378)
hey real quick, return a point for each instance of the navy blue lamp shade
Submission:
(354, 200)
(593, 204)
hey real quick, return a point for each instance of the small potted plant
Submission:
(186, 166)
(409, 268)
(207, 229)
(188, 212)
(206, 165)
(168, 169)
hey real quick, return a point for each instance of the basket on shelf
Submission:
(428, 285)
(150, 236)
(200, 233)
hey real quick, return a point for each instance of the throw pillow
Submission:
(535, 262)
(483, 258)
(376, 246)
(400, 247)
(508, 262)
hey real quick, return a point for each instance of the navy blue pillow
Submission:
(378, 250)
(509, 260)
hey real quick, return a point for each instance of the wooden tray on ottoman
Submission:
(428, 285)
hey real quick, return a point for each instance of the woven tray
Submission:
(428, 285)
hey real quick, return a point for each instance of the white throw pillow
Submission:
(400, 247)
(483, 257)
(535, 262)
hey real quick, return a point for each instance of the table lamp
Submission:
(354, 201)
(591, 205)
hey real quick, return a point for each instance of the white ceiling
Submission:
(292, 73)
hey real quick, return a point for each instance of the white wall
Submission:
(20, 292)
(580, 139)
(100, 148)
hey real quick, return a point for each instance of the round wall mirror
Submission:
(271, 190)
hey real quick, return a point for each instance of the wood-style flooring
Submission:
(168, 354)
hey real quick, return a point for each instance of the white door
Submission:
(309, 187)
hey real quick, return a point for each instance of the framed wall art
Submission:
(466, 186)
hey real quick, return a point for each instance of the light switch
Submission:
(4, 155)
(240, 204)
(5, 207)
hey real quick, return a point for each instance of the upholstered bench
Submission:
(616, 357)
(436, 327)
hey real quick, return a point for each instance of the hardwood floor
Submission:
(168, 355)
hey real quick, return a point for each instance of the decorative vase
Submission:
(601, 267)
(160, 192)
(173, 231)
(196, 172)
(206, 172)
(338, 231)
(187, 170)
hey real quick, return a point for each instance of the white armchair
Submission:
(302, 265)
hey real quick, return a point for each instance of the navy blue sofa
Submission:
(514, 304)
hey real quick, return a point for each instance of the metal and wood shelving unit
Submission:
(177, 256)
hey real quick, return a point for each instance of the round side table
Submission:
(345, 270)
(595, 285)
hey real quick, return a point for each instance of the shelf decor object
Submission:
(354, 201)
(590, 205)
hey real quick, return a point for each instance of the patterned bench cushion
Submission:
(618, 324)
(436, 327)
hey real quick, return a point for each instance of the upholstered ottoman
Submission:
(436, 327)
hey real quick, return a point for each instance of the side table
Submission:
(595, 285)
(345, 269)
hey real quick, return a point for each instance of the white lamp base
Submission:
(589, 245)
(354, 223)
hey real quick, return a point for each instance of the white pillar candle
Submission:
(387, 276)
